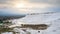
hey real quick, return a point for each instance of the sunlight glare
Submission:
(21, 5)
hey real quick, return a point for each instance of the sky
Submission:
(28, 6)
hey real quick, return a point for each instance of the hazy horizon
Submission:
(28, 6)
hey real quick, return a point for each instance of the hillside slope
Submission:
(52, 19)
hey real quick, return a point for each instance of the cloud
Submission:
(4, 1)
(33, 3)
(8, 1)
(55, 2)
(37, 6)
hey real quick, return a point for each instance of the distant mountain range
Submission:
(10, 16)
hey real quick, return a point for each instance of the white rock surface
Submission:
(52, 19)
